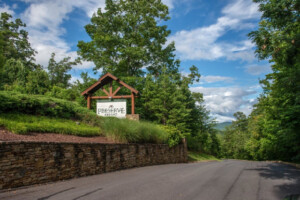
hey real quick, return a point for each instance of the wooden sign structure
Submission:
(108, 78)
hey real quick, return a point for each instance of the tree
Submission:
(14, 71)
(14, 42)
(58, 71)
(126, 37)
(236, 137)
(278, 39)
(164, 101)
(37, 82)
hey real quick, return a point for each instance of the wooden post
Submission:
(132, 103)
(110, 89)
(89, 101)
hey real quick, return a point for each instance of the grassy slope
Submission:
(23, 113)
(22, 124)
(194, 156)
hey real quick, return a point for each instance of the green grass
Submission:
(22, 113)
(23, 124)
(125, 130)
(194, 156)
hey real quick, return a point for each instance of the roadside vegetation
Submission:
(23, 124)
(22, 113)
(197, 157)
(270, 132)
(170, 109)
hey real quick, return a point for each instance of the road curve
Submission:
(228, 179)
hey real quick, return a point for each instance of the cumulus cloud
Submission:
(258, 69)
(223, 102)
(213, 79)
(7, 9)
(203, 43)
(169, 3)
(44, 21)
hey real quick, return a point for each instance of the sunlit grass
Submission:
(23, 124)
(125, 130)
(195, 156)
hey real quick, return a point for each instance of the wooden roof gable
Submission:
(104, 80)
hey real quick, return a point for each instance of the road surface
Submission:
(228, 179)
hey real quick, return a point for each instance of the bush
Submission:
(22, 124)
(132, 131)
(18, 110)
(13, 102)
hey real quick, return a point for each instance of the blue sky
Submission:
(211, 35)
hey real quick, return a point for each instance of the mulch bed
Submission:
(51, 137)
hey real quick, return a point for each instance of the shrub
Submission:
(22, 124)
(13, 102)
(18, 110)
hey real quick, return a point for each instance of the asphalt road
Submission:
(229, 179)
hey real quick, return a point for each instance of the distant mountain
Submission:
(222, 126)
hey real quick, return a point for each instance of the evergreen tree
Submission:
(14, 42)
(58, 71)
(164, 101)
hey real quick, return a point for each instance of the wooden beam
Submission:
(110, 89)
(117, 90)
(132, 103)
(114, 97)
(104, 90)
(89, 101)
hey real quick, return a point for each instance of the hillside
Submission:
(25, 114)
(222, 126)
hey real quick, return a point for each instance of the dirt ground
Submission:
(51, 137)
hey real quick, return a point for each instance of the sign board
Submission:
(112, 108)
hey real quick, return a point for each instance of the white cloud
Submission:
(169, 3)
(242, 9)
(213, 79)
(258, 69)
(223, 102)
(44, 21)
(203, 43)
(221, 118)
(7, 9)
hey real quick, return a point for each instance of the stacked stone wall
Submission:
(27, 163)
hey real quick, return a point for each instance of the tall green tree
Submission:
(127, 37)
(58, 71)
(236, 137)
(14, 41)
(278, 39)
(164, 101)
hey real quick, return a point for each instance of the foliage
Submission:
(121, 130)
(196, 156)
(235, 138)
(164, 101)
(14, 42)
(58, 71)
(127, 37)
(174, 135)
(37, 82)
(132, 131)
(40, 105)
(22, 124)
(276, 119)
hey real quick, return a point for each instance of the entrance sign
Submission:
(112, 104)
(112, 108)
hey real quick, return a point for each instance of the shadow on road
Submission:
(287, 177)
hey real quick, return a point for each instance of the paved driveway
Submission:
(229, 179)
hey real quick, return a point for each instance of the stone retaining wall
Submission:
(27, 163)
